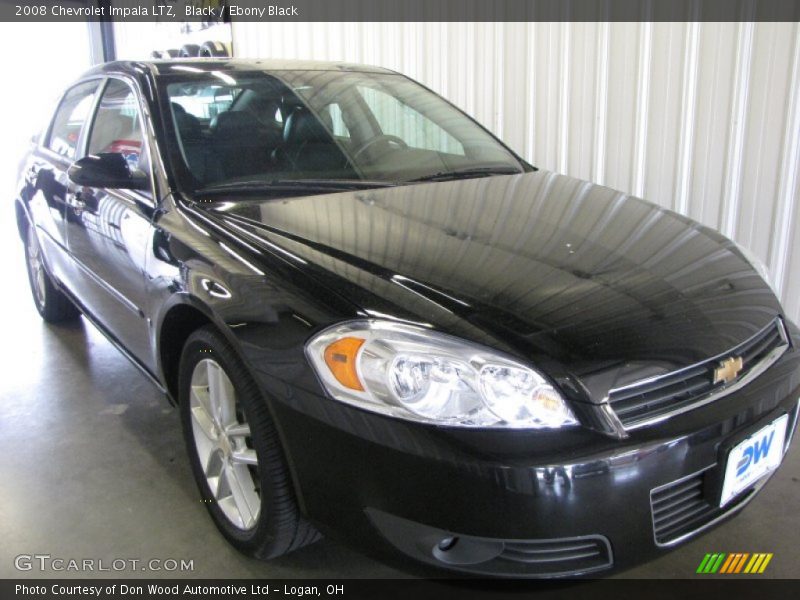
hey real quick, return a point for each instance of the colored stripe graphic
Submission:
(712, 560)
(722, 563)
(719, 562)
(765, 563)
(759, 563)
(749, 567)
(703, 563)
(728, 563)
(741, 563)
(712, 563)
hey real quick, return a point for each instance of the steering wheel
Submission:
(384, 137)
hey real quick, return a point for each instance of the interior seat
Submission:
(188, 125)
(200, 157)
(308, 146)
(242, 145)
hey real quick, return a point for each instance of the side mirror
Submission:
(106, 170)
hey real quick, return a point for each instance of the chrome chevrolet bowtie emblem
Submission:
(728, 369)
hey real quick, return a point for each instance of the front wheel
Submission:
(52, 304)
(235, 454)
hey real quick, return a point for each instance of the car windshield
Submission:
(256, 129)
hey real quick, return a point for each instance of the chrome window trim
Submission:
(751, 375)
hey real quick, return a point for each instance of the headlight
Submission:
(420, 375)
(759, 266)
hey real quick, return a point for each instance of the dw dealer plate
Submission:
(753, 458)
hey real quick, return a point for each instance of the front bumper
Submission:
(519, 503)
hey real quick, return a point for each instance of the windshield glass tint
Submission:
(292, 125)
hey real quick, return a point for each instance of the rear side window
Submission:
(70, 117)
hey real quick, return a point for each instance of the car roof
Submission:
(158, 67)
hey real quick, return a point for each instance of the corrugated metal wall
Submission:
(703, 118)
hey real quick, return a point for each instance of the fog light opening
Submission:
(460, 550)
(447, 544)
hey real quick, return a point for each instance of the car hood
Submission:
(592, 285)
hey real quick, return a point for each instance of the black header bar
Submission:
(399, 10)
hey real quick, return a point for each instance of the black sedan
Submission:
(381, 324)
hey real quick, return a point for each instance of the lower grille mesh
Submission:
(560, 555)
(681, 508)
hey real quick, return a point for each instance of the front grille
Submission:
(681, 508)
(566, 555)
(659, 397)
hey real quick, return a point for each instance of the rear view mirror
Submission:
(106, 170)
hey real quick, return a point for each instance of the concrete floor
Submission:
(92, 465)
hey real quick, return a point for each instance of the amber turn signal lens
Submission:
(340, 357)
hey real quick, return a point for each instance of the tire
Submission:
(164, 54)
(262, 520)
(213, 49)
(189, 51)
(52, 304)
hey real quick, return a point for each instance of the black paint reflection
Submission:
(550, 267)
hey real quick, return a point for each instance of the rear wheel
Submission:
(52, 304)
(235, 454)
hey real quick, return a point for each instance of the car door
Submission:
(47, 186)
(108, 232)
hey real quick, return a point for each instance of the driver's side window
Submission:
(117, 127)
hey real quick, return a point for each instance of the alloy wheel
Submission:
(222, 442)
(36, 268)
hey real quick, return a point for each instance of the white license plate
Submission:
(753, 458)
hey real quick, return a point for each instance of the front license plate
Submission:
(750, 460)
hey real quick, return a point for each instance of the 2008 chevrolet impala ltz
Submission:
(380, 323)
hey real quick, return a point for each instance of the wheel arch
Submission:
(22, 219)
(183, 315)
(180, 319)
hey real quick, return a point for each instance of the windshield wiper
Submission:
(321, 185)
(466, 173)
